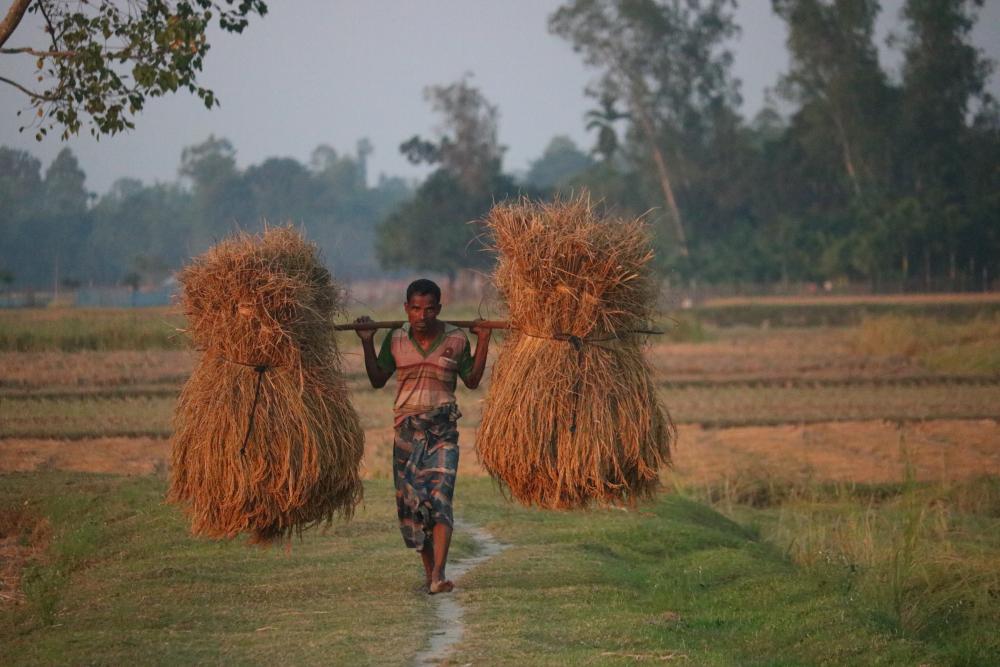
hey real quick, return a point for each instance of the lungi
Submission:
(424, 464)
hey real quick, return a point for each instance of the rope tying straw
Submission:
(253, 408)
(577, 342)
(260, 370)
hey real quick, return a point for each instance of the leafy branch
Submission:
(105, 58)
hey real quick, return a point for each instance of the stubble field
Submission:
(849, 449)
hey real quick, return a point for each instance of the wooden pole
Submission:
(395, 324)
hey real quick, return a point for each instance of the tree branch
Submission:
(51, 28)
(13, 19)
(33, 95)
(42, 54)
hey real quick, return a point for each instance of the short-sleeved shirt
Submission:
(425, 379)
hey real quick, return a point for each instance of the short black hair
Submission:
(423, 286)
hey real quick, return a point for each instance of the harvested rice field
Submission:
(833, 500)
(148, 413)
(858, 451)
(741, 390)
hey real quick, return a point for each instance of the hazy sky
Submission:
(334, 71)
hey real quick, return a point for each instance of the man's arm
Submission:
(472, 379)
(376, 375)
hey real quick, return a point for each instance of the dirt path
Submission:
(447, 608)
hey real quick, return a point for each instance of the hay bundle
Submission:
(572, 414)
(265, 438)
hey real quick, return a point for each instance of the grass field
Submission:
(122, 582)
(835, 500)
(822, 311)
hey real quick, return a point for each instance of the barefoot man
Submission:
(427, 355)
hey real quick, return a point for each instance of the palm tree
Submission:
(603, 120)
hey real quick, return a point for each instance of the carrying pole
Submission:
(395, 324)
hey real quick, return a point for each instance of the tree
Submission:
(560, 162)
(58, 226)
(432, 231)
(282, 190)
(20, 198)
(221, 196)
(664, 59)
(947, 124)
(467, 146)
(65, 193)
(603, 120)
(844, 95)
(97, 62)
(132, 221)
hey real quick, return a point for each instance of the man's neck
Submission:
(429, 335)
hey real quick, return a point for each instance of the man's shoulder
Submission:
(455, 334)
(392, 336)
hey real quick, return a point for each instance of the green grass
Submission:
(672, 580)
(123, 582)
(678, 579)
(839, 314)
(71, 329)
(921, 561)
(944, 347)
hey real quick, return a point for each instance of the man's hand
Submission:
(482, 349)
(366, 334)
(482, 333)
(376, 375)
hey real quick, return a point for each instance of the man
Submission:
(427, 355)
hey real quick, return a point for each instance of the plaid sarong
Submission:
(424, 463)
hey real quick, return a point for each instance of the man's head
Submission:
(423, 304)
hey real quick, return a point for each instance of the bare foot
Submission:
(441, 586)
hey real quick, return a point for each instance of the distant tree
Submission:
(133, 220)
(20, 200)
(221, 197)
(667, 62)
(65, 192)
(133, 281)
(281, 189)
(559, 163)
(467, 145)
(435, 230)
(64, 223)
(20, 179)
(603, 120)
(949, 126)
(97, 62)
(345, 210)
(844, 95)
(342, 176)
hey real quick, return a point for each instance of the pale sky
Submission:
(334, 71)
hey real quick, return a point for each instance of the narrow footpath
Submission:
(449, 612)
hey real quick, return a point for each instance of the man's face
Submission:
(422, 311)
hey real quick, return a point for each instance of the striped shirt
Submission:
(425, 379)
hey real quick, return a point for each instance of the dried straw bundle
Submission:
(572, 414)
(259, 308)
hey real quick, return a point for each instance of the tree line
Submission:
(53, 232)
(850, 172)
